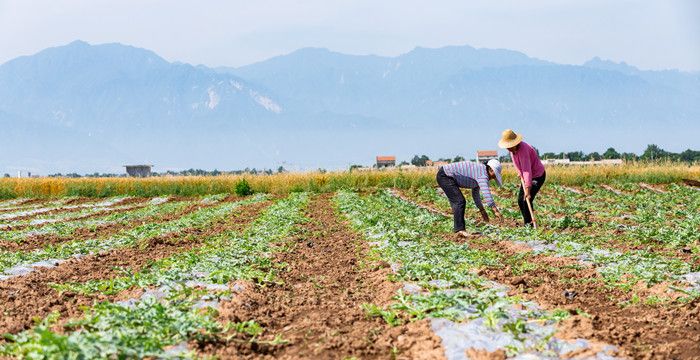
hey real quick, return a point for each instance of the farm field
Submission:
(350, 268)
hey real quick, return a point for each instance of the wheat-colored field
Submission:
(657, 173)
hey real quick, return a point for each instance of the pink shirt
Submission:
(527, 163)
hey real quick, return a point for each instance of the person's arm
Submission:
(479, 204)
(488, 197)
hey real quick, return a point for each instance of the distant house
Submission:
(486, 155)
(138, 170)
(386, 161)
(435, 163)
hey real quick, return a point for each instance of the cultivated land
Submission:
(342, 266)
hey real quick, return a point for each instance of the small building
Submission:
(486, 155)
(386, 161)
(138, 170)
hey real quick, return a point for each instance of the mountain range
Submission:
(86, 108)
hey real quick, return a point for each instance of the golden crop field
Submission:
(657, 173)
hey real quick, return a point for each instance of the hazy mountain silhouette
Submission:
(86, 108)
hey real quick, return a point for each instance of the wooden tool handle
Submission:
(529, 205)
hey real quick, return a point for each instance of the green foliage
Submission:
(111, 330)
(242, 188)
(390, 317)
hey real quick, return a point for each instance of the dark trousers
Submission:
(534, 189)
(457, 201)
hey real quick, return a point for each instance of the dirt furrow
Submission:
(31, 296)
(317, 306)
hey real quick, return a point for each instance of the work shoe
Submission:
(463, 233)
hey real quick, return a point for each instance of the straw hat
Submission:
(509, 139)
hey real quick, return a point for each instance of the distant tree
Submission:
(629, 156)
(611, 153)
(575, 156)
(8, 175)
(690, 156)
(419, 160)
(594, 156)
(549, 155)
(281, 169)
(505, 159)
(354, 166)
(458, 158)
(404, 163)
(654, 152)
(321, 170)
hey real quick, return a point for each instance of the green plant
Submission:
(242, 188)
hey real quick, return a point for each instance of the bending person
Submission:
(470, 175)
(529, 167)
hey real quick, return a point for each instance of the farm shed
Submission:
(486, 155)
(138, 170)
(386, 161)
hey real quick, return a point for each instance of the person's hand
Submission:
(526, 192)
(498, 214)
(484, 215)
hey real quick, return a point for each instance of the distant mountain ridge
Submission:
(317, 108)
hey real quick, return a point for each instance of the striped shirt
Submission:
(473, 176)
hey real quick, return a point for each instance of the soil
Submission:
(317, 305)
(25, 298)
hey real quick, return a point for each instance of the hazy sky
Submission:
(649, 34)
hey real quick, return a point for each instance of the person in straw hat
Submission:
(470, 175)
(529, 167)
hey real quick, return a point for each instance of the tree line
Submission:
(651, 153)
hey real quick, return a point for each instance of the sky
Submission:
(651, 34)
